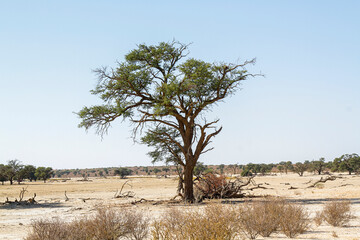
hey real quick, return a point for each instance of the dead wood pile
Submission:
(212, 186)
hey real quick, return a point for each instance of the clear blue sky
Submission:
(307, 106)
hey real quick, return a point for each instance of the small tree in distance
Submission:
(122, 172)
(166, 97)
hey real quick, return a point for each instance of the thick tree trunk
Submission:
(188, 182)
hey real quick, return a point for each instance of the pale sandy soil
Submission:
(15, 220)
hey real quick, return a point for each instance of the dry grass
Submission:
(107, 224)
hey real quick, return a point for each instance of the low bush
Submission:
(107, 224)
(212, 222)
(337, 213)
(261, 218)
(294, 220)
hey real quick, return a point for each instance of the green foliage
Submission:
(3, 173)
(246, 172)
(287, 166)
(347, 162)
(43, 173)
(122, 172)
(300, 168)
(318, 165)
(221, 167)
(199, 169)
(166, 97)
(29, 172)
(14, 166)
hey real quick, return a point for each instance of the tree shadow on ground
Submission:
(30, 206)
(304, 201)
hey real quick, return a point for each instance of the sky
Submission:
(307, 106)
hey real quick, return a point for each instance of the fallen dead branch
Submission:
(139, 201)
(323, 180)
(128, 194)
(66, 197)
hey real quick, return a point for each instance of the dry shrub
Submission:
(107, 224)
(294, 220)
(213, 222)
(337, 213)
(48, 229)
(223, 222)
(261, 218)
(318, 219)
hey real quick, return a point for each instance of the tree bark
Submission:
(188, 182)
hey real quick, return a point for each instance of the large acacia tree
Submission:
(165, 95)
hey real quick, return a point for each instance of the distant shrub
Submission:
(107, 224)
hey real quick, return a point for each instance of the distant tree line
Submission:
(349, 163)
(15, 171)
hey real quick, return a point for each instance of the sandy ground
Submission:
(85, 197)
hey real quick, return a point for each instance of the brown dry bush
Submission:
(213, 222)
(294, 220)
(337, 213)
(107, 224)
(261, 218)
(318, 219)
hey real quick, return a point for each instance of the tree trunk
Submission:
(188, 182)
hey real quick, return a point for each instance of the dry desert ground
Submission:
(84, 197)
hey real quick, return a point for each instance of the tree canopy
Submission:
(165, 96)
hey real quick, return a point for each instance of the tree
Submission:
(156, 170)
(14, 166)
(287, 166)
(20, 175)
(43, 173)
(122, 172)
(199, 169)
(166, 96)
(300, 168)
(347, 162)
(3, 173)
(318, 165)
(221, 167)
(166, 169)
(29, 172)
(234, 167)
